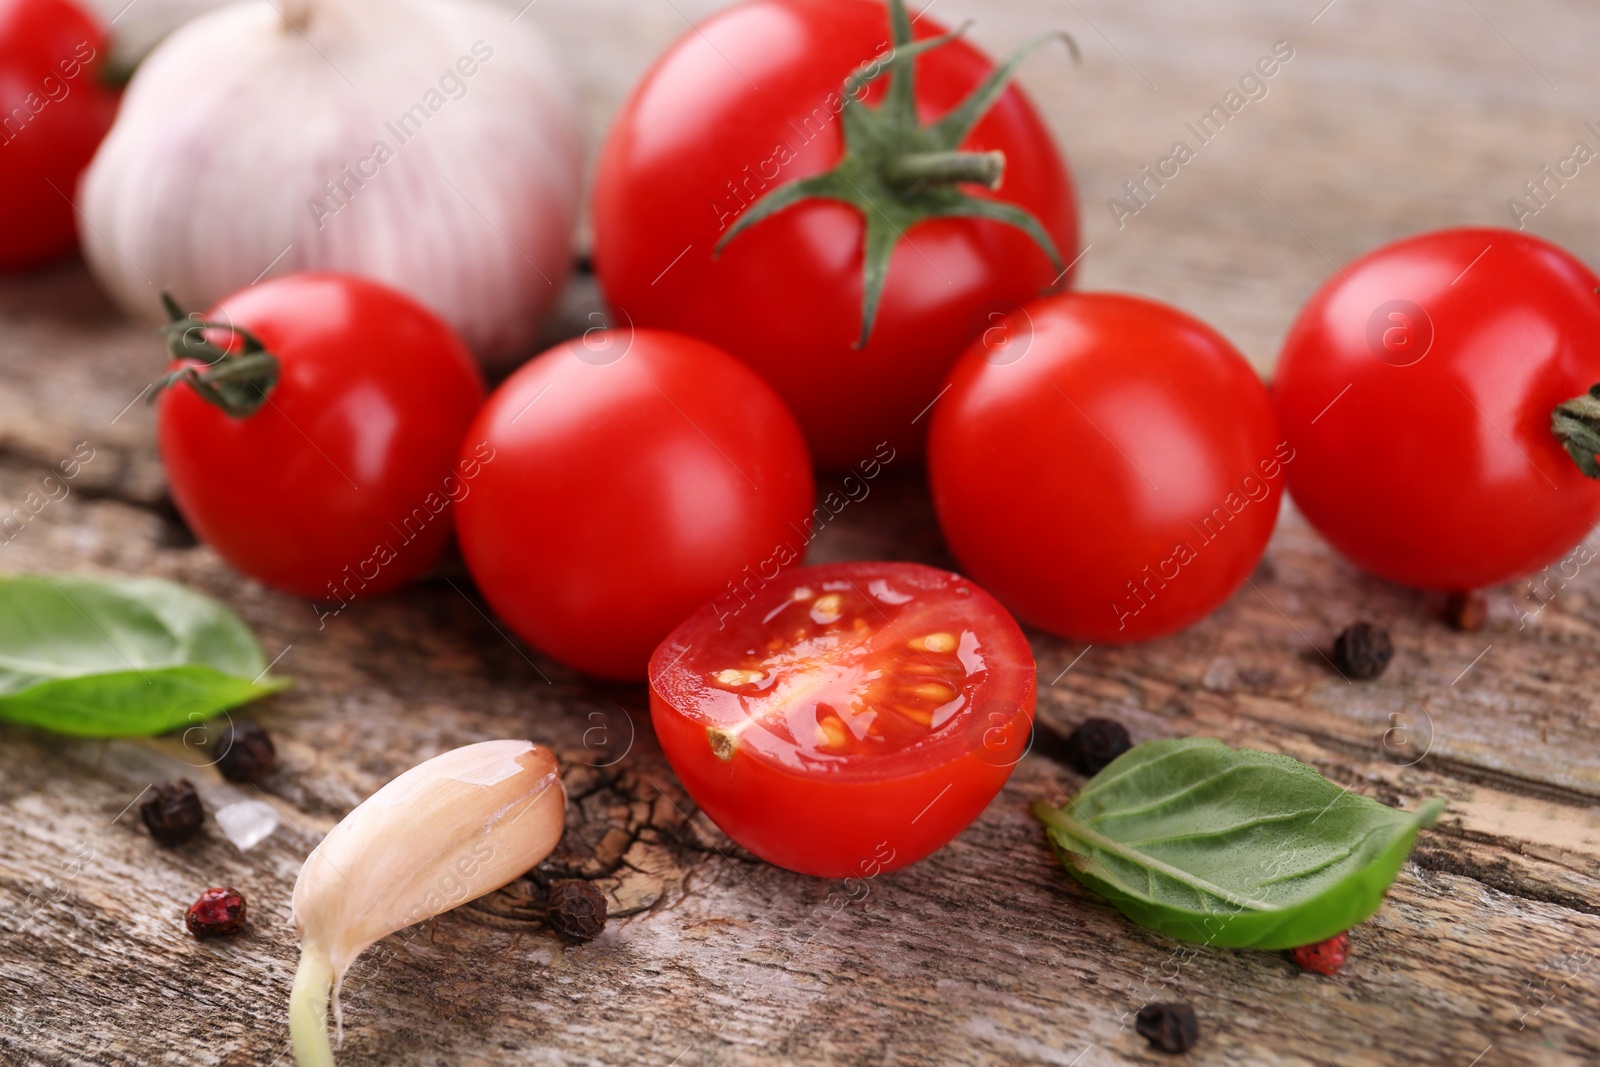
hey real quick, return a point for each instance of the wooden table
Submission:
(1391, 118)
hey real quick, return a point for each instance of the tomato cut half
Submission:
(847, 719)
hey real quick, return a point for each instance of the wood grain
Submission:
(1390, 119)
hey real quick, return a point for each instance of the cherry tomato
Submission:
(752, 99)
(53, 113)
(638, 475)
(338, 485)
(1417, 388)
(1110, 467)
(848, 719)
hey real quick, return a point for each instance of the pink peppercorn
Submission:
(218, 913)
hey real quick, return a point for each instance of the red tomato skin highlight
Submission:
(340, 486)
(1108, 466)
(50, 58)
(696, 143)
(854, 824)
(628, 496)
(1443, 473)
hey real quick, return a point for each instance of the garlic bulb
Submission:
(445, 832)
(428, 144)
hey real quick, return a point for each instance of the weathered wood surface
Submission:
(1390, 118)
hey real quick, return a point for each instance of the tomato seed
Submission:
(827, 609)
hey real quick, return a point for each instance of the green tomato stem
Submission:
(236, 381)
(915, 169)
(308, 1011)
(1576, 424)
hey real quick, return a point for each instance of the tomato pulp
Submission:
(1109, 466)
(338, 486)
(846, 719)
(751, 99)
(637, 475)
(53, 113)
(1417, 388)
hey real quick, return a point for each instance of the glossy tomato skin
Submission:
(1416, 387)
(1109, 466)
(340, 486)
(637, 475)
(697, 141)
(846, 818)
(53, 114)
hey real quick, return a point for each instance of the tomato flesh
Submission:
(847, 719)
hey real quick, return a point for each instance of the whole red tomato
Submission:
(637, 475)
(1417, 388)
(325, 466)
(1108, 466)
(53, 113)
(754, 99)
(848, 719)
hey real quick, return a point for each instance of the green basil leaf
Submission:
(121, 657)
(1231, 847)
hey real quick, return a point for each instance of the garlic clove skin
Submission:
(274, 136)
(447, 831)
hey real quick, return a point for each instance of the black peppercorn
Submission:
(173, 812)
(1168, 1027)
(1362, 651)
(1467, 612)
(1096, 743)
(577, 910)
(244, 752)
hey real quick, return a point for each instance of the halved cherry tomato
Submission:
(847, 719)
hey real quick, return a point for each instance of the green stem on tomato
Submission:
(235, 378)
(944, 168)
(1576, 424)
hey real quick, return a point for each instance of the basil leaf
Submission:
(1231, 847)
(120, 657)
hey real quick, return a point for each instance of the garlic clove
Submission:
(445, 832)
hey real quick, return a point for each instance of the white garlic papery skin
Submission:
(428, 144)
(445, 832)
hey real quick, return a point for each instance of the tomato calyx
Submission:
(897, 172)
(237, 377)
(1576, 424)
